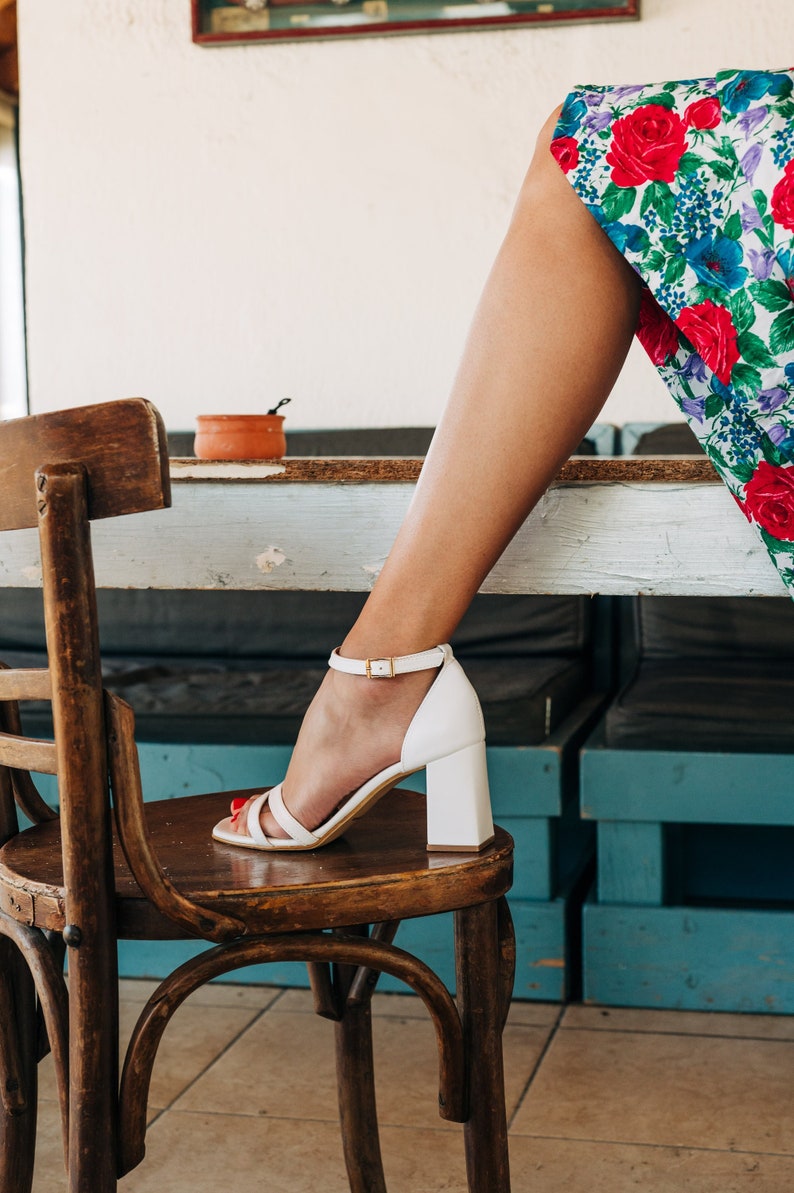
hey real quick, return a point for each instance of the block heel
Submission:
(459, 802)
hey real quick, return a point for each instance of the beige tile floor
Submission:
(600, 1101)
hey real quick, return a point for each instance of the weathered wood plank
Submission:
(620, 536)
(33, 684)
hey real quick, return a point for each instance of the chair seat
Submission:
(381, 862)
(739, 705)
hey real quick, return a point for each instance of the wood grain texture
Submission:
(21, 753)
(121, 445)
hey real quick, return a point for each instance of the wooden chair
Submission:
(74, 883)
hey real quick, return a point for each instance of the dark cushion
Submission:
(668, 439)
(351, 441)
(725, 705)
(243, 666)
(218, 700)
(289, 625)
(715, 628)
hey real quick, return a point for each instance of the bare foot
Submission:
(353, 729)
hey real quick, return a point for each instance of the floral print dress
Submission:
(693, 182)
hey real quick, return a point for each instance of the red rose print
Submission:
(566, 151)
(704, 113)
(655, 330)
(647, 145)
(783, 199)
(769, 500)
(710, 330)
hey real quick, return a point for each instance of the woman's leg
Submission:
(548, 340)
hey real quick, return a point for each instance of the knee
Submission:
(543, 174)
(546, 134)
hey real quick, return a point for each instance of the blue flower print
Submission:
(627, 236)
(750, 162)
(750, 85)
(752, 118)
(573, 112)
(694, 408)
(750, 217)
(717, 261)
(762, 262)
(693, 369)
(770, 400)
(595, 122)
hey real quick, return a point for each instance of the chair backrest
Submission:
(59, 472)
(121, 445)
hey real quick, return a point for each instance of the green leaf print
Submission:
(754, 351)
(742, 473)
(659, 196)
(772, 295)
(713, 406)
(725, 149)
(771, 452)
(761, 202)
(675, 270)
(781, 337)
(724, 170)
(654, 261)
(733, 227)
(786, 108)
(743, 313)
(664, 98)
(718, 460)
(690, 163)
(746, 379)
(772, 544)
(704, 293)
(618, 201)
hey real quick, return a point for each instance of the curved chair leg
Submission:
(480, 997)
(356, 1091)
(18, 1070)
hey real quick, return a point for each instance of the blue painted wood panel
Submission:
(703, 959)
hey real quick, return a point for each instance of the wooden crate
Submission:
(680, 915)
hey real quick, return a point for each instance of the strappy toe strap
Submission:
(296, 833)
(255, 830)
(284, 819)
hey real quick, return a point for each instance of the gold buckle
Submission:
(392, 672)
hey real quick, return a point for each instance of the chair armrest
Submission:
(125, 779)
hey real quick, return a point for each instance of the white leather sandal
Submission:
(446, 737)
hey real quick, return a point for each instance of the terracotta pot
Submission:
(240, 437)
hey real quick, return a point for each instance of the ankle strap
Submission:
(388, 668)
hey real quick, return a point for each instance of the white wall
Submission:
(216, 228)
(13, 387)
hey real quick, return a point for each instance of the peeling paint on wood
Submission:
(270, 559)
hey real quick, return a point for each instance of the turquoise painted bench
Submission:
(688, 779)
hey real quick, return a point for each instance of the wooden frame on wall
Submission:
(236, 22)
